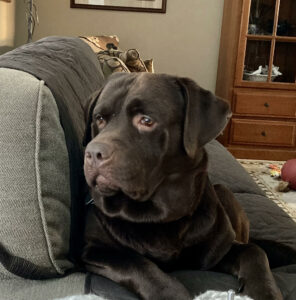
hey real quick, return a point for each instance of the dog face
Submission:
(144, 127)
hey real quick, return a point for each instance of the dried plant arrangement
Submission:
(32, 18)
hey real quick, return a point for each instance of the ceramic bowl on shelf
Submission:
(258, 77)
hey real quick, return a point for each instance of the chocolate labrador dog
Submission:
(155, 209)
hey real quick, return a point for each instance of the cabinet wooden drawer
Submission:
(263, 133)
(265, 103)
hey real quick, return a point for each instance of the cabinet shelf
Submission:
(267, 85)
(288, 39)
(256, 37)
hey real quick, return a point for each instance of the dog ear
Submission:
(205, 116)
(89, 127)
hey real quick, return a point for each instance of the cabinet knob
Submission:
(263, 133)
(266, 104)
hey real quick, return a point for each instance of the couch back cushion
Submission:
(34, 176)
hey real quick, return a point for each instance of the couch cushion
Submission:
(34, 175)
(196, 282)
(268, 221)
(24, 289)
(224, 169)
(72, 72)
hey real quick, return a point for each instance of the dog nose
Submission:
(97, 152)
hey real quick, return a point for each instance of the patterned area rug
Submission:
(260, 172)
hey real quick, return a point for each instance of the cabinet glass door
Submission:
(287, 18)
(261, 18)
(257, 61)
(268, 41)
(284, 63)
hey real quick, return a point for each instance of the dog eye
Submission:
(146, 121)
(101, 121)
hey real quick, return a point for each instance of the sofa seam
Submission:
(38, 179)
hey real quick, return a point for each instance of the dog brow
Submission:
(136, 105)
(102, 110)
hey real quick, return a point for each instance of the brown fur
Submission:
(154, 206)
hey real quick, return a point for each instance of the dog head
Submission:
(142, 127)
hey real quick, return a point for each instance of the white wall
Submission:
(184, 41)
(7, 25)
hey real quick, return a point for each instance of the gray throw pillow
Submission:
(34, 179)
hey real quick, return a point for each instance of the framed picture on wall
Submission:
(156, 6)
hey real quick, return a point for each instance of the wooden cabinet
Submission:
(257, 74)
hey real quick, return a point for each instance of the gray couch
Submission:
(44, 88)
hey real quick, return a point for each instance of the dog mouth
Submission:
(108, 187)
(105, 186)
